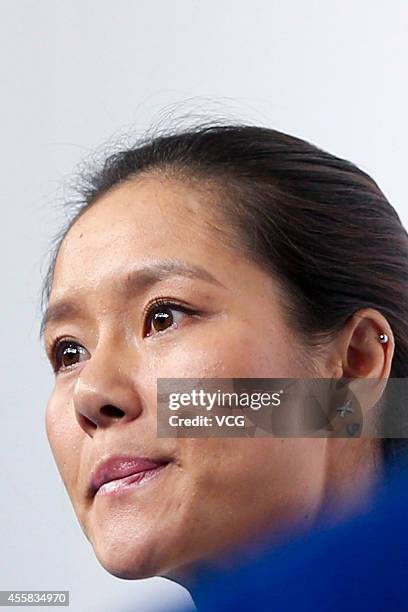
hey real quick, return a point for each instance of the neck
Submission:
(354, 471)
(192, 577)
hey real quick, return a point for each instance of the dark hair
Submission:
(318, 222)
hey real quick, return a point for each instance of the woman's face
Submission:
(214, 492)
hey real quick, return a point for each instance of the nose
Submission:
(106, 391)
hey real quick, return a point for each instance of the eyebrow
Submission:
(132, 282)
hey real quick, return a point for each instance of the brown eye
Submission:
(67, 353)
(164, 316)
(162, 319)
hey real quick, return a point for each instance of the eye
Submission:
(65, 354)
(163, 315)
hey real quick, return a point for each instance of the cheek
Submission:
(248, 485)
(231, 350)
(65, 438)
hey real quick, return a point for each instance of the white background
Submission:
(76, 74)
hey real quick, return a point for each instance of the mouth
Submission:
(118, 474)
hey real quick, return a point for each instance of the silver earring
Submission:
(383, 338)
(345, 408)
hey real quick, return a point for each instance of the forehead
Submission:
(139, 222)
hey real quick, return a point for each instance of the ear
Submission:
(358, 355)
(357, 351)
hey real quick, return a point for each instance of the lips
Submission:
(120, 467)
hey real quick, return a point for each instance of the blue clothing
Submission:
(360, 564)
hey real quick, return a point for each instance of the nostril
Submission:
(112, 411)
(85, 422)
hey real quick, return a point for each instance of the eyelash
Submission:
(161, 302)
(148, 312)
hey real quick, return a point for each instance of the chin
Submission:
(125, 565)
(128, 560)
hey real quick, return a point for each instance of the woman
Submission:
(223, 251)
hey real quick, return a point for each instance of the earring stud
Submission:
(346, 408)
(383, 338)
